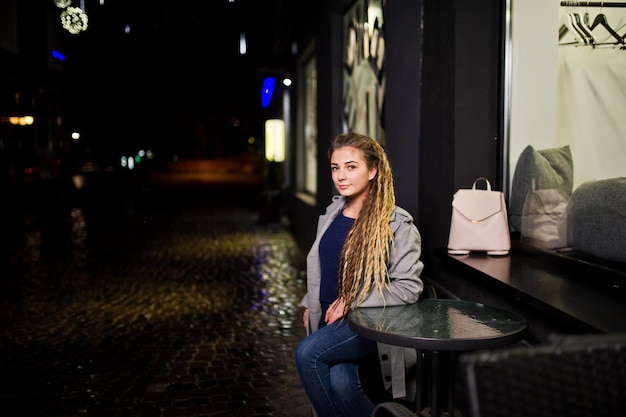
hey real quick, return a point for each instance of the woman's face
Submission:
(351, 174)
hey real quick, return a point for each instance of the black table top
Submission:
(439, 324)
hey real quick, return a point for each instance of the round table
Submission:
(439, 325)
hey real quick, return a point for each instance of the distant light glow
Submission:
(127, 29)
(58, 55)
(287, 82)
(19, 120)
(78, 181)
(242, 44)
(275, 140)
(268, 90)
(75, 135)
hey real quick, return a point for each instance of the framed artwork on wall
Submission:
(363, 69)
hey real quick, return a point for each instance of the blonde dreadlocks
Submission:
(365, 254)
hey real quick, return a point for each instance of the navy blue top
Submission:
(330, 247)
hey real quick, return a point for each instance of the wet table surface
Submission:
(438, 325)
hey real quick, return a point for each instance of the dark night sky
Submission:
(177, 68)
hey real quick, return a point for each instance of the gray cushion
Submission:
(597, 218)
(551, 168)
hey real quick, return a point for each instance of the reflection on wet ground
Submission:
(154, 302)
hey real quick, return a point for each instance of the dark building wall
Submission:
(461, 105)
(403, 20)
(441, 106)
(437, 158)
(325, 33)
(443, 122)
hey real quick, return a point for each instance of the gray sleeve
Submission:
(405, 268)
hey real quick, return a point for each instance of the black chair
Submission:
(580, 375)
(392, 409)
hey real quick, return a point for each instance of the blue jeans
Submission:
(327, 362)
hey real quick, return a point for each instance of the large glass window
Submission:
(565, 94)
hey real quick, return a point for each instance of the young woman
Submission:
(366, 253)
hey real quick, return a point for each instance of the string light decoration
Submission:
(74, 19)
(62, 4)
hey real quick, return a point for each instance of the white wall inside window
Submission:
(566, 93)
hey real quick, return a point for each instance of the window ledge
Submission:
(590, 293)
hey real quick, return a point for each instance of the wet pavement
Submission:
(128, 300)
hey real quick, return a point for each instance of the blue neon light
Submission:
(58, 55)
(267, 91)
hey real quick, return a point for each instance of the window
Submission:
(364, 77)
(307, 151)
(566, 91)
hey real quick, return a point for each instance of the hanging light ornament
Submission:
(74, 19)
(62, 4)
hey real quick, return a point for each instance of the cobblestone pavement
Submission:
(153, 303)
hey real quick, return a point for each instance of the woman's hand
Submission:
(335, 311)
(305, 318)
